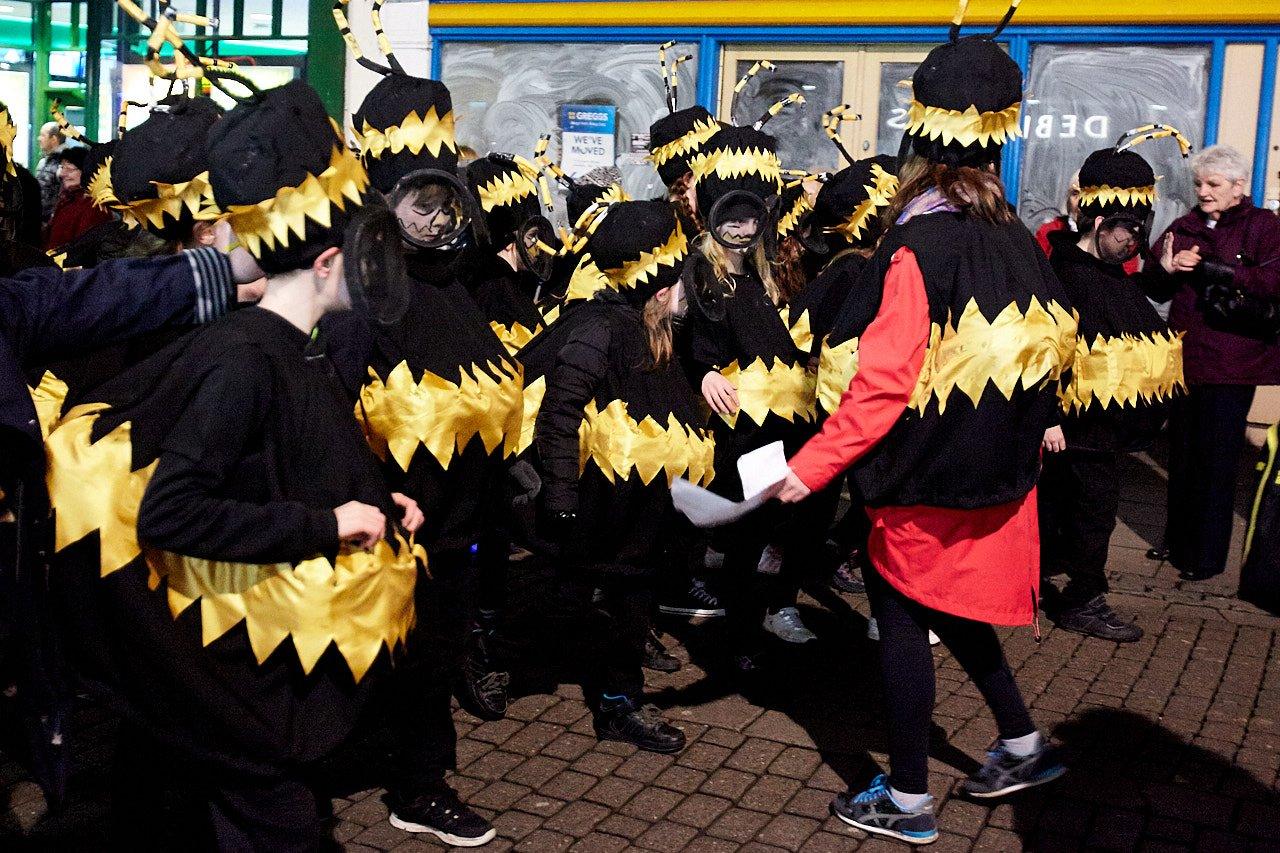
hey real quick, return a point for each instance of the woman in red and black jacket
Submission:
(1223, 243)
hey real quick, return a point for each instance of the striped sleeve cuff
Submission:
(215, 291)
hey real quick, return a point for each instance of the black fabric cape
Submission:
(502, 296)
(300, 455)
(825, 295)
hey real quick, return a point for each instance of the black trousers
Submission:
(420, 692)
(1079, 498)
(1206, 430)
(906, 663)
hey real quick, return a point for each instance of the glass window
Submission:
(895, 99)
(257, 17)
(1082, 97)
(798, 129)
(294, 21)
(506, 95)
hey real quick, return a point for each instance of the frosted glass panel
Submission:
(798, 129)
(506, 95)
(1082, 97)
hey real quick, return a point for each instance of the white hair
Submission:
(1220, 160)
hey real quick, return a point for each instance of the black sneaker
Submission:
(443, 815)
(621, 719)
(875, 811)
(1005, 773)
(847, 577)
(1095, 618)
(656, 656)
(697, 601)
(482, 691)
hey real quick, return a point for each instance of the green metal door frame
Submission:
(326, 57)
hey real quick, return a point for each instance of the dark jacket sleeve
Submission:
(580, 366)
(1261, 275)
(48, 314)
(185, 508)
(708, 349)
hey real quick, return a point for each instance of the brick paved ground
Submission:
(1174, 741)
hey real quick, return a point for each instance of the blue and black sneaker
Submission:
(1005, 772)
(874, 810)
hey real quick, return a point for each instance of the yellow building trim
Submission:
(705, 13)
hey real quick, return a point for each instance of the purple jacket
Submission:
(1245, 237)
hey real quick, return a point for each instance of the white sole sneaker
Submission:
(671, 610)
(873, 633)
(797, 634)
(453, 840)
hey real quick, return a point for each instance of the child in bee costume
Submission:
(943, 422)
(611, 421)
(439, 400)
(231, 560)
(1128, 369)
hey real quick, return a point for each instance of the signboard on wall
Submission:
(588, 135)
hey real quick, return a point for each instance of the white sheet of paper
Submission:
(762, 468)
(707, 509)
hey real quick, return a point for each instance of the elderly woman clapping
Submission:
(1220, 262)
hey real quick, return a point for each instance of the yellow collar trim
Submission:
(170, 200)
(1015, 349)
(8, 132)
(703, 129)
(966, 128)
(100, 190)
(727, 163)
(1124, 371)
(414, 134)
(879, 194)
(271, 221)
(400, 414)
(515, 336)
(1129, 196)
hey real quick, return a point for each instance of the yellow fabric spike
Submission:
(100, 190)
(837, 365)
(515, 336)
(414, 134)
(801, 330)
(533, 394)
(728, 163)
(550, 315)
(587, 280)
(94, 487)
(1015, 349)
(170, 201)
(702, 130)
(1125, 370)
(400, 414)
(360, 603)
(8, 132)
(271, 221)
(786, 390)
(617, 444)
(789, 220)
(645, 267)
(48, 398)
(879, 194)
(1128, 196)
(968, 127)
(507, 188)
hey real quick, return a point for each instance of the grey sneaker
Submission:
(875, 811)
(1005, 772)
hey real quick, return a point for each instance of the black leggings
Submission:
(906, 664)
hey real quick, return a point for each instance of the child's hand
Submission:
(720, 394)
(1054, 440)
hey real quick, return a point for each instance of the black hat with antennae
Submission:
(676, 137)
(1119, 180)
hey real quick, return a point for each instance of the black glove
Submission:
(523, 484)
(1216, 273)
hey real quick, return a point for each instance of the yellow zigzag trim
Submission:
(837, 365)
(786, 390)
(361, 602)
(1124, 370)
(617, 444)
(413, 134)
(801, 330)
(8, 132)
(170, 201)
(968, 127)
(100, 190)
(791, 218)
(1128, 196)
(442, 416)
(508, 188)
(703, 129)
(1015, 348)
(272, 221)
(48, 398)
(515, 336)
(728, 163)
(879, 195)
